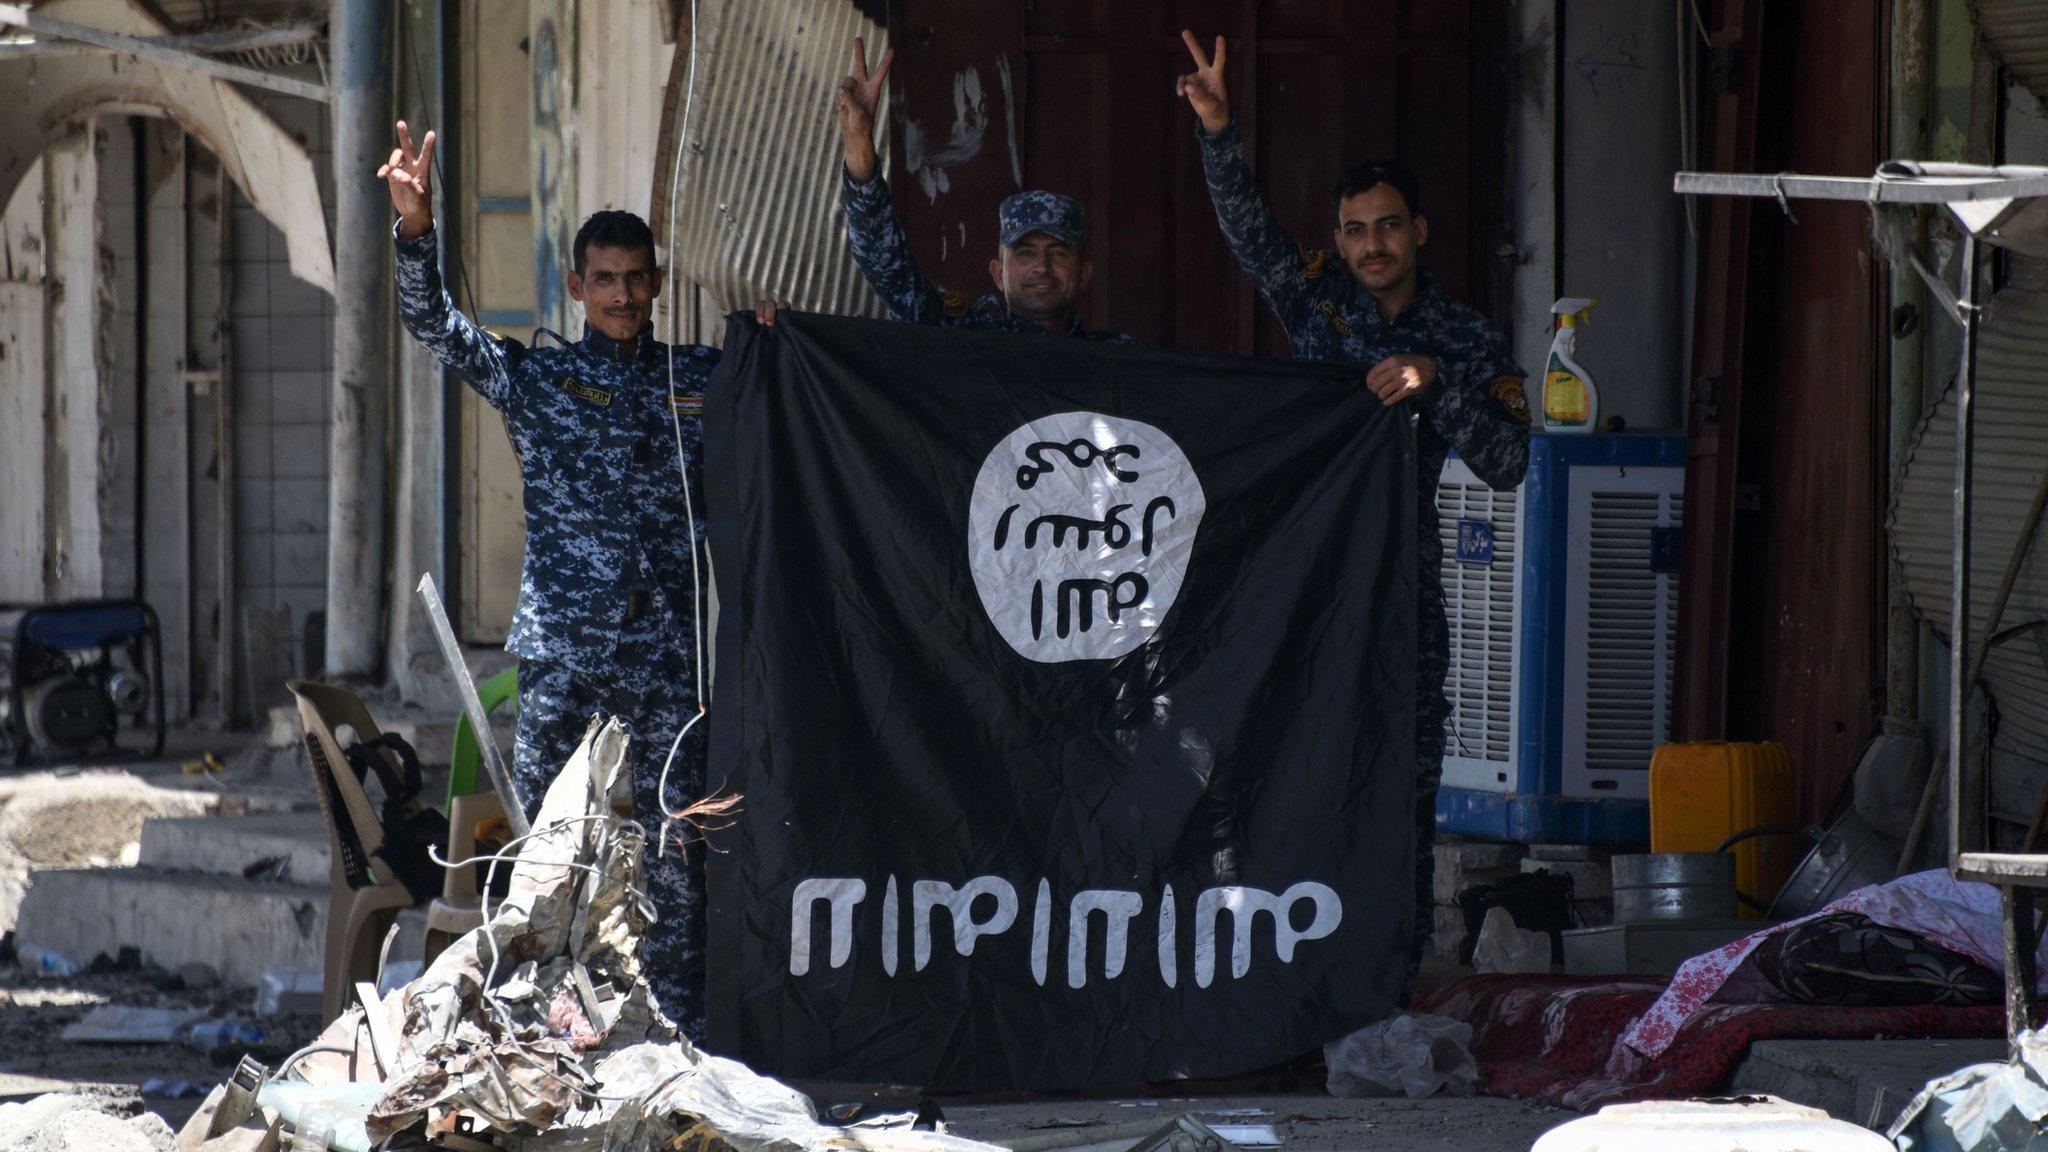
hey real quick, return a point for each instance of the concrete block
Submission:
(1465, 864)
(225, 845)
(1863, 1082)
(240, 928)
(1570, 853)
(1646, 949)
(1590, 881)
(1476, 854)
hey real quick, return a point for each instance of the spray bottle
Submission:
(1570, 402)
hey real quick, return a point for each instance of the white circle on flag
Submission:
(1079, 534)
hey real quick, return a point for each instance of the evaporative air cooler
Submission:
(1563, 607)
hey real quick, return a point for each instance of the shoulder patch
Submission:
(1508, 391)
(1314, 262)
(1329, 309)
(956, 304)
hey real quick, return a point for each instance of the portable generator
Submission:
(78, 678)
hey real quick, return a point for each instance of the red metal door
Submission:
(1076, 96)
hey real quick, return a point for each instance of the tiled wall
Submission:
(282, 331)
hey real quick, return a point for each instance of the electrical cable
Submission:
(440, 175)
(682, 144)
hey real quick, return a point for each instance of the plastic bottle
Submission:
(45, 962)
(212, 1035)
(1570, 402)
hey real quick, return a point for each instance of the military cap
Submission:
(1026, 212)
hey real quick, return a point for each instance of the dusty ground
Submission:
(1304, 1122)
(34, 1057)
(91, 816)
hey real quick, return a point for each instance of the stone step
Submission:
(225, 845)
(1864, 1082)
(240, 928)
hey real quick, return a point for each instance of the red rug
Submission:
(1552, 1038)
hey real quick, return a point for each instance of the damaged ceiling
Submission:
(51, 96)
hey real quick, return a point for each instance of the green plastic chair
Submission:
(465, 759)
(472, 802)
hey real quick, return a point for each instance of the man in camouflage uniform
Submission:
(1039, 271)
(607, 603)
(1369, 303)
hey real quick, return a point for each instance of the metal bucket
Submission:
(1661, 887)
(1849, 856)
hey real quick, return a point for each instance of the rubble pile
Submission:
(536, 1031)
(82, 1122)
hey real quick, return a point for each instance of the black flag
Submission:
(1015, 634)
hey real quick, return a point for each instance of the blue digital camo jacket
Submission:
(1476, 404)
(882, 253)
(595, 427)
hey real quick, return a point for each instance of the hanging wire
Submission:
(682, 144)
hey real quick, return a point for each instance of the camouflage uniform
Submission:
(882, 252)
(606, 600)
(1476, 405)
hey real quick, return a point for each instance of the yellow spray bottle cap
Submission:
(1572, 311)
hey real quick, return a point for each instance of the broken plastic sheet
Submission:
(1982, 1108)
(540, 1024)
(1412, 1053)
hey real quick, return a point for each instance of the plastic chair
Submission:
(465, 756)
(471, 802)
(364, 895)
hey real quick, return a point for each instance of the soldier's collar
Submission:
(1429, 294)
(605, 348)
(993, 304)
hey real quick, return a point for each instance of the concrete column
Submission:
(423, 400)
(356, 528)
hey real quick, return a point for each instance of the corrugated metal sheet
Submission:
(757, 210)
(2016, 31)
(2010, 452)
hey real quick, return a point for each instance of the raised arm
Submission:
(881, 249)
(1267, 254)
(423, 304)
